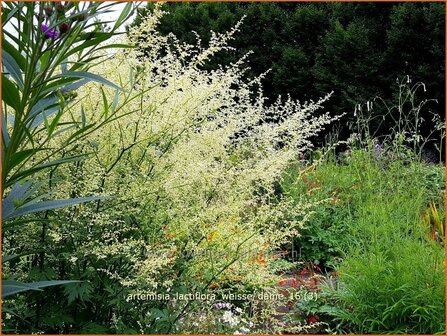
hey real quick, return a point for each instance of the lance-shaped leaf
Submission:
(10, 93)
(44, 104)
(12, 67)
(20, 175)
(125, 13)
(7, 258)
(18, 192)
(11, 287)
(50, 105)
(27, 209)
(88, 75)
(10, 49)
(5, 135)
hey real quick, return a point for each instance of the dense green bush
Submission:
(320, 240)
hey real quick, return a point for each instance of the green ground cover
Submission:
(390, 272)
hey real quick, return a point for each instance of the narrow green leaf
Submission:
(5, 135)
(75, 85)
(31, 171)
(88, 75)
(65, 129)
(86, 62)
(44, 115)
(19, 157)
(10, 93)
(17, 41)
(105, 104)
(92, 39)
(57, 83)
(9, 48)
(115, 101)
(78, 133)
(19, 192)
(7, 258)
(43, 104)
(10, 13)
(44, 58)
(11, 287)
(83, 119)
(50, 205)
(124, 15)
(54, 124)
(12, 67)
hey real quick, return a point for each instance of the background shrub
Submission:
(358, 50)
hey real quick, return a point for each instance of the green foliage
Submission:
(11, 287)
(391, 277)
(396, 290)
(78, 291)
(321, 239)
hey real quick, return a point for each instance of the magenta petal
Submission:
(49, 33)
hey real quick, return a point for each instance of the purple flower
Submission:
(221, 305)
(377, 151)
(49, 33)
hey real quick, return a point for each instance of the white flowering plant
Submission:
(396, 128)
(189, 160)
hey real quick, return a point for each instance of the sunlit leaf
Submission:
(50, 205)
(88, 75)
